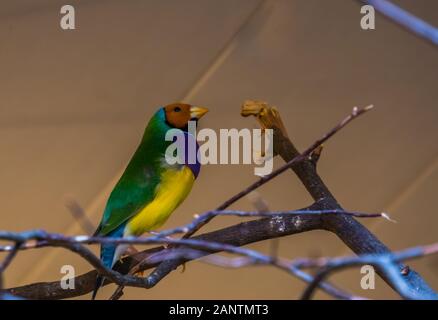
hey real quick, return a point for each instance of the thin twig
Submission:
(385, 262)
(199, 219)
(249, 260)
(207, 216)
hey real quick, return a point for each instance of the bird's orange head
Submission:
(179, 114)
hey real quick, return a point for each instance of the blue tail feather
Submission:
(107, 252)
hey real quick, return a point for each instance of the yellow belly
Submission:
(173, 189)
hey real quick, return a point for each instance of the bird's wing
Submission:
(135, 189)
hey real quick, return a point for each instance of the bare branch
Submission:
(358, 238)
(250, 258)
(237, 235)
(42, 238)
(385, 262)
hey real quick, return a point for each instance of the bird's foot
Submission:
(165, 245)
(141, 273)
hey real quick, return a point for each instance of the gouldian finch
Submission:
(150, 188)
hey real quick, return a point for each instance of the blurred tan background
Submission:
(73, 105)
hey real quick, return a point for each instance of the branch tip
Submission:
(369, 107)
(387, 217)
(267, 116)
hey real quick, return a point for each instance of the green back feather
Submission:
(137, 186)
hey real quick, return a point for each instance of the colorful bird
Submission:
(150, 188)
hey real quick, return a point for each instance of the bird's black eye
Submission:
(177, 109)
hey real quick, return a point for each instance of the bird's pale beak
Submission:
(197, 112)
